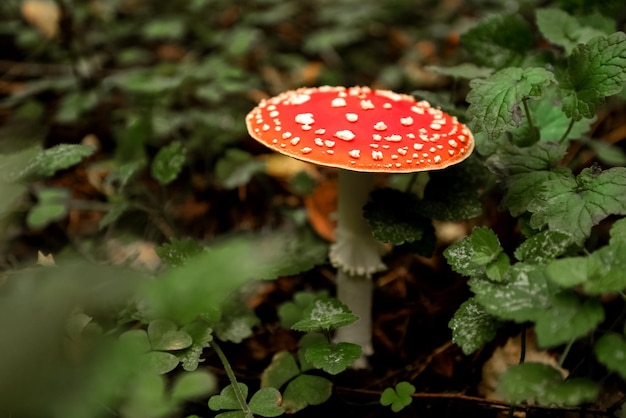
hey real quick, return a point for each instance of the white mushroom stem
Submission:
(357, 255)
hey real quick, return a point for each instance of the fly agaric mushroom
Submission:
(361, 131)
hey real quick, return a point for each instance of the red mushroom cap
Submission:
(360, 129)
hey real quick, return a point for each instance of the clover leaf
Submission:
(264, 402)
(398, 397)
(324, 314)
(332, 358)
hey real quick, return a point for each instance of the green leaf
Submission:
(473, 255)
(333, 358)
(236, 322)
(237, 167)
(499, 41)
(563, 29)
(538, 382)
(113, 213)
(324, 314)
(178, 251)
(227, 398)
(472, 326)
(618, 231)
(52, 205)
(567, 319)
(602, 272)
(266, 403)
(44, 163)
(596, 70)
(495, 102)
(393, 217)
(291, 312)
(398, 397)
(201, 335)
(523, 295)
(193, 385)
(608, 154)
(281, 370)
(160, 362)
(168, 162)
(610, 350)
(164, 336)
(544, 246)
(146, 397)
(574, 205)
(525, 171)
(452, 194)
(306, 390)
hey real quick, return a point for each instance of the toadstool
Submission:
(360, 131)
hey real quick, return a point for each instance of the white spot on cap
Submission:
(435, 126)
(306, 150)
(352, 117)
(461, 138)
(380, 126)
(306, 127)
(329, 151)
(418, 110)
(299, 99)
(320, 131)
(265, 127)
(346, 135)
(355, 153)
(377, 155)
(305, 119)
(451, 151)
(338, 102)
(319, 142)
(437, 159)
(295, 140)
(402, 151)
(274, 113)
(367, 104)
(408, 121)
(329, 143)
(387, 106)
(418, 146)
(393, 138)
(377, 137)
(286, 135)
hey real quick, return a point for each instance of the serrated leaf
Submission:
(495, 102)
(521, 297)
(471, 255)
(324, 314)
(596, 70)
(168, 162)
(306, 390)
(618, 231)
(543, 247)
(398, 397)
(472, 326)
(610, 350)
(201, 335)
(266, 402)
(178, 251)
(393, 217)
(333, 358)
(574, 205)
(563, 29)
(291, 312)
(538, 382)
(525, 171)
(567, 319)
(499, 41)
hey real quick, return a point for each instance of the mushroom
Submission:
(361, 131)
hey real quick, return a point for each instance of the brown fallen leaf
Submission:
(321, 205)
(44, 15)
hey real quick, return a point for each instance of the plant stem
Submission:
(566, 352)
(522, 356)
(241, 399)
(567, 131)
(530, 119)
